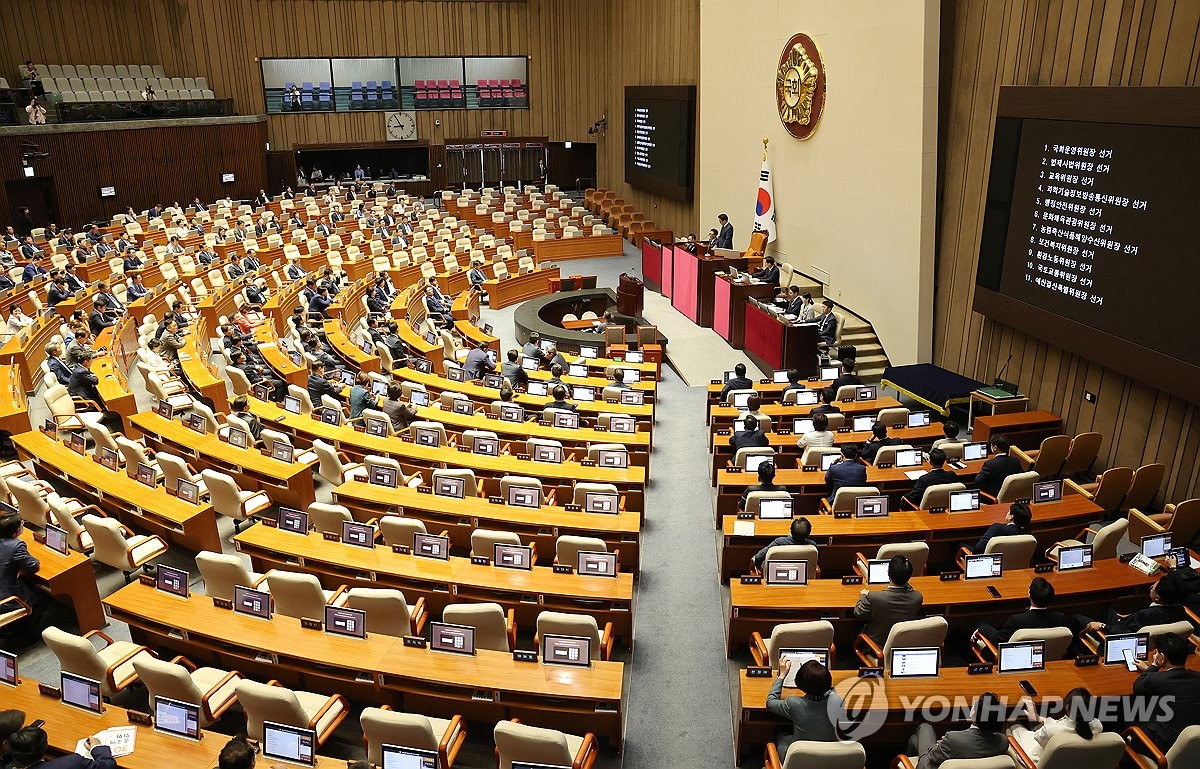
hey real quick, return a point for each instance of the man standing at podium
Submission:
(725, 234)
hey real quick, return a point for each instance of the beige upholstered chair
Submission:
(1058, 640)
(399, 530)
(802, 754)
(1104, 541)
(12, 609)
(1016, 550)
(64, 412)
(917, 554)
(1184, 754)
(520, 480)
(754, 499)
(174, 469)
(384, 726)
(387, 611)
(115, 546)
(483, 541)
(494, 629)
(34, 507)
(213, 690)
(582, 625)
(470, 486)
(937, 495)
(1085, 447)
(66, 517)
(843, 500)
(522, 743)
(328, 518)
(298, 595)
(568, 547)
(930, 631)
(817, 634)
(111, 664)
(1147, 480)
(806, 553)
(893, 417)
(583, 488)
(335, 468)
(1016, 486)
(230, 501)
(1070, 751)
(221, 573)
(887, 454)
(272, 702)
(1047, 459)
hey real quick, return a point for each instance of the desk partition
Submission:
(652, 259)
(684, 294)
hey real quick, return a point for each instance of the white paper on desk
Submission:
(119, 739)
(743, 528)
(912, 475)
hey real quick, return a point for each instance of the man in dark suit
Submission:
(17, 567)
(30, 251)
(738, 381)
(263, 198)
(826, 406)
(318, 385)
(798, 535)
(847, 471)
(725, 234)
(55, 363)
(1169, 676)
(769, 273)
(560, 399)
(251, 263)
(74, 282)
(848, 377)
(898, 602)
(255, 374)
(114, 304)
(58, 291)
(935, 477)
(533, 348)
(323, 229)
(32, 272)
(478, 362)
(1015, 523)
(28, 748)
(512, 371)
(83, 382)
(985, 737)
(991, 476)
(134, 289)
(766, 482)
(827, 324)
(294, 271)
(319, 304)
(435, 309)
(751, 436)
(1038, 616)
(879, 439)
(100, 318)
(1166, 606)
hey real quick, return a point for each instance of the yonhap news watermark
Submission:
(864, 708)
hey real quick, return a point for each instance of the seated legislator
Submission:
(241, 410)
(478, 361)
(991, 476)
(847, 471)
(847, 377)
(879, 438)
(1166, 606)
(769, 273)
(1169, 676)
(401, 414)
(819, 436)
(937, 476)
(28, 748)
(950, 430)
(511, 370)
(826, 406)
(751, 435)
(811, 715)
(361, 397)
(766, 482)
(533, 348)
(983, 739)
(1039, 615)
(793, 376)
(826, 323)
(554, 357)
(560, 400)
(801, 529)
(898, 602)
(1016, 522)
(1078, 718)
(18, 568)
(736, 382)
(318, 385)
(238, 753)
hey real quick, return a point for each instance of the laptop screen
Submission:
(566, 419)
(56, 539)
(180, 719)
(459, 639)
(512, 556)
(775, 509)
(295, 521)
(524, 496)
(865, 393)
(871, 507)
(877, 571)
(984, 566)
(601, 502)
(289, 743)
(576, 369)
(566, 650)
(963, 501)
(171, 580)
(918, 419)
(379, 387)
(81, 692)
(445, 486)
(806, 397)
(630, 375)
(802, 425)
(863, 424)
(485, 445)
(254, 603)
(974, 451)
(1022, 657)
(1117, 644)
(787, 572)
(343, 621)
(621, 424)
(1153, 545)
(1047, 491)
(431, 546)
(397, 757)
(358, 534)
(921, 662)
(1074, 557)
(552, 454)
(8, 668)
(597, 564)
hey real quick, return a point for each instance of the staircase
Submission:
(871, 359)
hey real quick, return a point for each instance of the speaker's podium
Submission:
(629, 296)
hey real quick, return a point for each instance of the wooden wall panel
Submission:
(991, 43)
(145, 165)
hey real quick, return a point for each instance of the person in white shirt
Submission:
(819, 436)
(1078, 718)
(153, 357)
(36, 112)
(148, 94)
(18, 320)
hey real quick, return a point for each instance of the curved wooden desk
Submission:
(71, 579)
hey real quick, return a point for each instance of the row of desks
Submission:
(782, 416)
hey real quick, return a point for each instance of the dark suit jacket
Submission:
(102, 758)
(991, 476)
(871, 448)
(1184, 686)
(934, 477)
(318, 386)
(1032, 619)
(845, 472)
(997, 530)
(83, 384)
(724, 237)
(15, 558)
(827, 328)
(477, 364)
(564, 405)
(736, 383)
(845, 379)
(60, 370)
(768, 275)
(97, 322)
(1151, 615)
(965, 743)
(880, 609)
(513, 373)
(749, 439)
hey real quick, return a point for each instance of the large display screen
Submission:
(660, 139)
(1090, 230)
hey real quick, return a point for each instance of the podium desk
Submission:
(773, 343)
(729, 302)
(693, 274)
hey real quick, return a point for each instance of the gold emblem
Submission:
(800, 86)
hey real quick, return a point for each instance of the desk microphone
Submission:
(1004, 368)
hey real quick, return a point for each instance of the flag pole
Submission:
(765, 141)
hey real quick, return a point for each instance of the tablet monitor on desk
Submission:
(786, 572)
(1117, 644)
(775, 509)
(295, 521)
(1075, 557)
(8, 668)
(566, 650)
(1047, 491)
(863, 424)
(1022, 657)
(419, 398)
(145, 475)
(974, 451)
(164, 409)
(1153, 545)
(80, 692)
(449, 486)
(806, 397)
(798, 656)
(566, 419)
(632, 397)
(188, 491)
(544, 453)
(493, 381)
(989, 566)
(524, 496)
(754, 461)
(530, 364)
(77, 443)
(915, 662)
(877, 571)
(197, 423)
(871, 507)
(909, 458)
(171, 581)
(577, 369)
(379, 387)
(431, 546)
(282, 452)
(779, 376)
(619, 458)
(634, 356)
(380, 475)
(178, 719)
(290, 744)
(297, 359)
(56, 539)
(964, 501)
(331, 416)
(630, 375)
(358, 534)
(865, 393)
(739, 400)
(344, 621)
(512, 414)
(261, 390)
(827, 460)
(427, 436)
(597, 564)
(802, 425)
(918, 419)
(108, 457)
(604, 502)
(238, 438)
(537, 388)
(622, 424)
(589, 351)
(485, 445)
(512, 556)
(582, 393)
(397, 757)
(459, 639)
(463, 407)
(291, 404)
(376, 427)
(454, 374)
(251, 602)
(829, 373)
